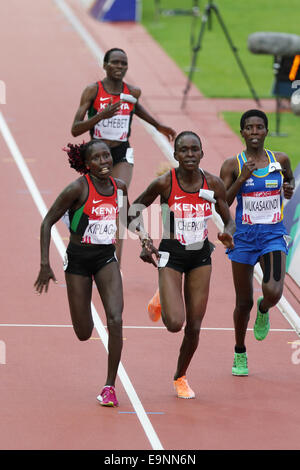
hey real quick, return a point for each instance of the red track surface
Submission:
(50, 380)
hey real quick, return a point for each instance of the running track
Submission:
(50, 380)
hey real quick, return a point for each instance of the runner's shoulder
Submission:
(90, 90)
(134, 90)
(121, 185)
(213, 181)
(281, 157)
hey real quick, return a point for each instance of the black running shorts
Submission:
(122, 153)
(182, 258)
(87, 260)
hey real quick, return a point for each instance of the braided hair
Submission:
(77, 155)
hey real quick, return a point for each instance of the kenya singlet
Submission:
(96, 220)
(117, 127)
(189, 211)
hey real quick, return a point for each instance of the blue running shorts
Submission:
(250, 245)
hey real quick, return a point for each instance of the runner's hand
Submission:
(167, 131)
(288, 190)
(226, 239)
(148, 250)
(43, 279)
(110, 110)
(247, 170)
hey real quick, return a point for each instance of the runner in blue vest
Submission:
(258, 179)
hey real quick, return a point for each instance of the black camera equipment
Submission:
(279, 45)
(206, 19)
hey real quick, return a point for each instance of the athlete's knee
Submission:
(173, 325)
(192, 330)
(272, 296)
(244, 306)
(83, 333)
(115, 323)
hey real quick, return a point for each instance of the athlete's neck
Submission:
(189, 176)
(190, 180)
(255, 153)
(101, 183)
(112, 86)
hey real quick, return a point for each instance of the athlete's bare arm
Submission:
(288, 177)
(232, 180)
(71, 196)
(222, 208)
(142, 113)
(159, 187)
(131, 217)
(80, 126)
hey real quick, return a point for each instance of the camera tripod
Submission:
(206, 19)
(276, 67)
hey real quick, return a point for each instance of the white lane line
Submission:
(133, 327)
(283, 305)
(136, 403)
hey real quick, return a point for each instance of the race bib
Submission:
(130, 155)
(274, 166)
(208, 195)
(65, 262)
(100, 232)
(261, 207)
(190, 230)
(163, 259)
(114, 128)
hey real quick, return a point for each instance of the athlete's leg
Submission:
(273, 266)
(170, 292)
(243, 284)
(122, 170)
(109, 284)
(79, 289)
(196, 290)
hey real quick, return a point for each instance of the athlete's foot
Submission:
(262, 323)
(108, 396)
(154, 307)
(240, 364)
(182, 388)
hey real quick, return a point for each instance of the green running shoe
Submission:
(240, 364)
(262, 323)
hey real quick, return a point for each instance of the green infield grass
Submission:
(217, 73)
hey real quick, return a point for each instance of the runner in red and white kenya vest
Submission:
(191, 211)
(116, 128)
(96, 219)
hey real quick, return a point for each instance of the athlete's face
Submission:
(188, 152)
(254, 132)
(117, 65)
(99, 160)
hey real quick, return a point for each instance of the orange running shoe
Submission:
(182, 388)
(154, 307)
